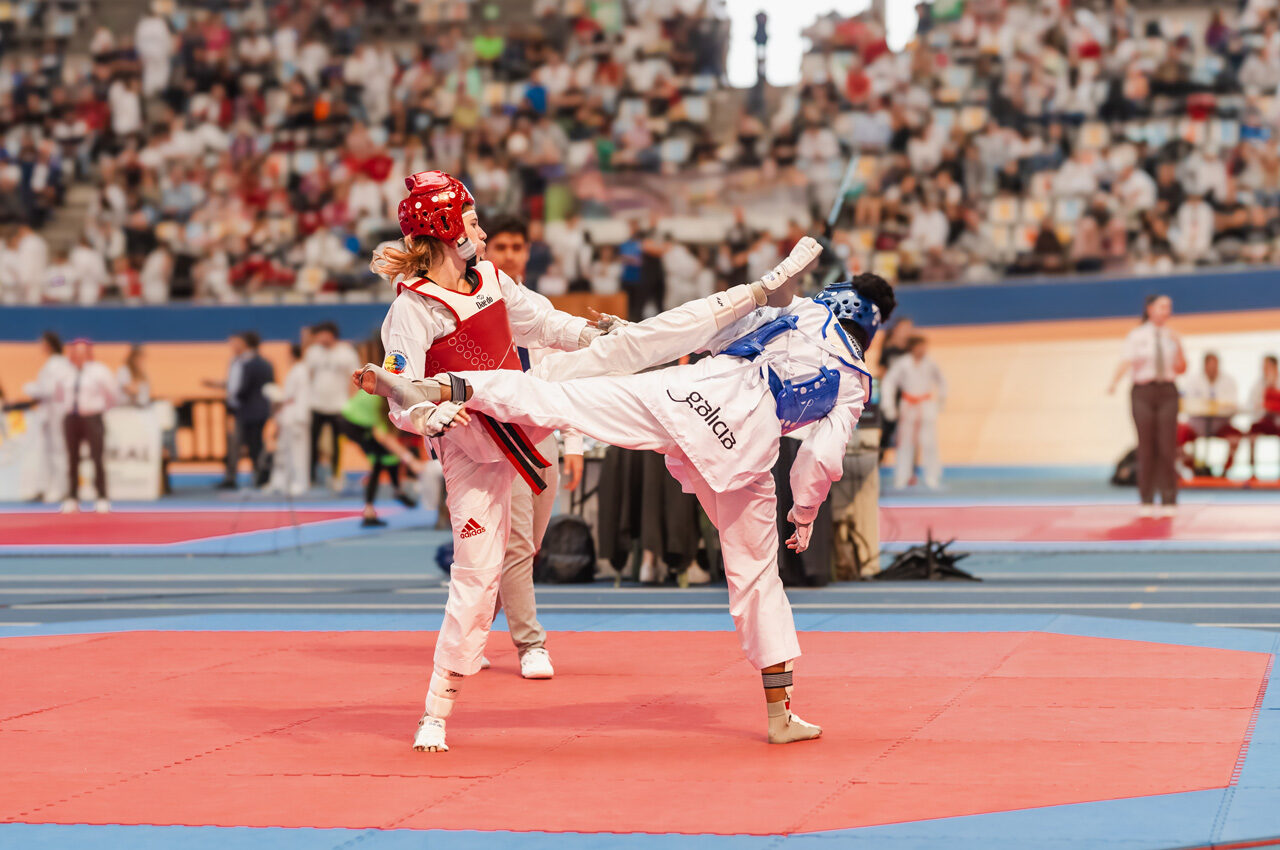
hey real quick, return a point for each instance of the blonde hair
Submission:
(417, 255)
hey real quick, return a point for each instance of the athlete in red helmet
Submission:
(454, 311)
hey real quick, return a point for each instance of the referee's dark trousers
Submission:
(85, 428)
(1155, 415)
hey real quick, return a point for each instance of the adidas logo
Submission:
(471, 529)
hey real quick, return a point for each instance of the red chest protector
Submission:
(482, 341)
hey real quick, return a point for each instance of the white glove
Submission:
(607, 323)
(432, 420)
(805, 252)
(802, 518)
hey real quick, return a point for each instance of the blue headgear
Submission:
(843, 300)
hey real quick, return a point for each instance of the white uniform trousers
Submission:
(612, 410)
(53, 454)
(479, 500)
(530, 514)
(291, 467)
(917, 431)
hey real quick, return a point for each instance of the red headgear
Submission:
(434, 206)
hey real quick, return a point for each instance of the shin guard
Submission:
(443, 692)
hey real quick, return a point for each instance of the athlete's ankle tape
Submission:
(457, 389)
(777, 680)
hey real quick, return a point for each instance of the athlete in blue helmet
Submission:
(779, 365)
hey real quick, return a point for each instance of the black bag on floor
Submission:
(568, 553)
(1126, 474)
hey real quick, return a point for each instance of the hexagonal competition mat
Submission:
(641, 732)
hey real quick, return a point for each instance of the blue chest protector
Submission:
(798, 402)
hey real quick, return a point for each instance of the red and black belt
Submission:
(519, 451)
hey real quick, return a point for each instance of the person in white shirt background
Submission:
(53, 450)
(291, 469)
(912, 394)
(85, 391)
(26, 262)
(330, 362)
(135, 385)
(1152, 359)
(1210, 399)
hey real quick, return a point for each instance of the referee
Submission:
(85, 391)
(1152, 359)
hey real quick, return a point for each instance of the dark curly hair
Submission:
(873, 286)
(878, 291)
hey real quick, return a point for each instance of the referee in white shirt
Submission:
(1153, 358)
(85, 391)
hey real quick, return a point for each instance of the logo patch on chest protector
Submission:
(483, 301)
(709, 414)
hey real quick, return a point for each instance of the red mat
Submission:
(1078, 523)
(38, 528)
(314, 729)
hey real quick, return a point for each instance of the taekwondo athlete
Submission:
(774, 370)
(453, 312)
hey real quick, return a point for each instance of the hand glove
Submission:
(607, 323)
(433, 420)
(805, 252)
(802, 517)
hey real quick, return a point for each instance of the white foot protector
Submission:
(787, 728)
(378, 381)
(536, 664)
(485, 663)
(430, 736)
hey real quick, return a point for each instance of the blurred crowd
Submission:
(236, 147)
(1051, 137)
(245, 146)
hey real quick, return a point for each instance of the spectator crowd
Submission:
(238, 148)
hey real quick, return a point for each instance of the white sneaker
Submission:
(1168, 511)
(536, 664)
(485, 664)
(51, 498)
(695, 574)
(102, 506)
(70, 506)
(1147, 511)
(430, 735)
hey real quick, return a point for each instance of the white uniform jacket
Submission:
(723, 416)
(413, 323)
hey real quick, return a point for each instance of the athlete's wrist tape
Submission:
(777, 680)
(457, 389)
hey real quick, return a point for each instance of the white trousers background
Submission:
(530, 514)
(612, 410)
(53, 460)
(479, 497)
(917, 432)
(291, 467)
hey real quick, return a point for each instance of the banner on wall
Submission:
(131, 455)
(21, 447)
